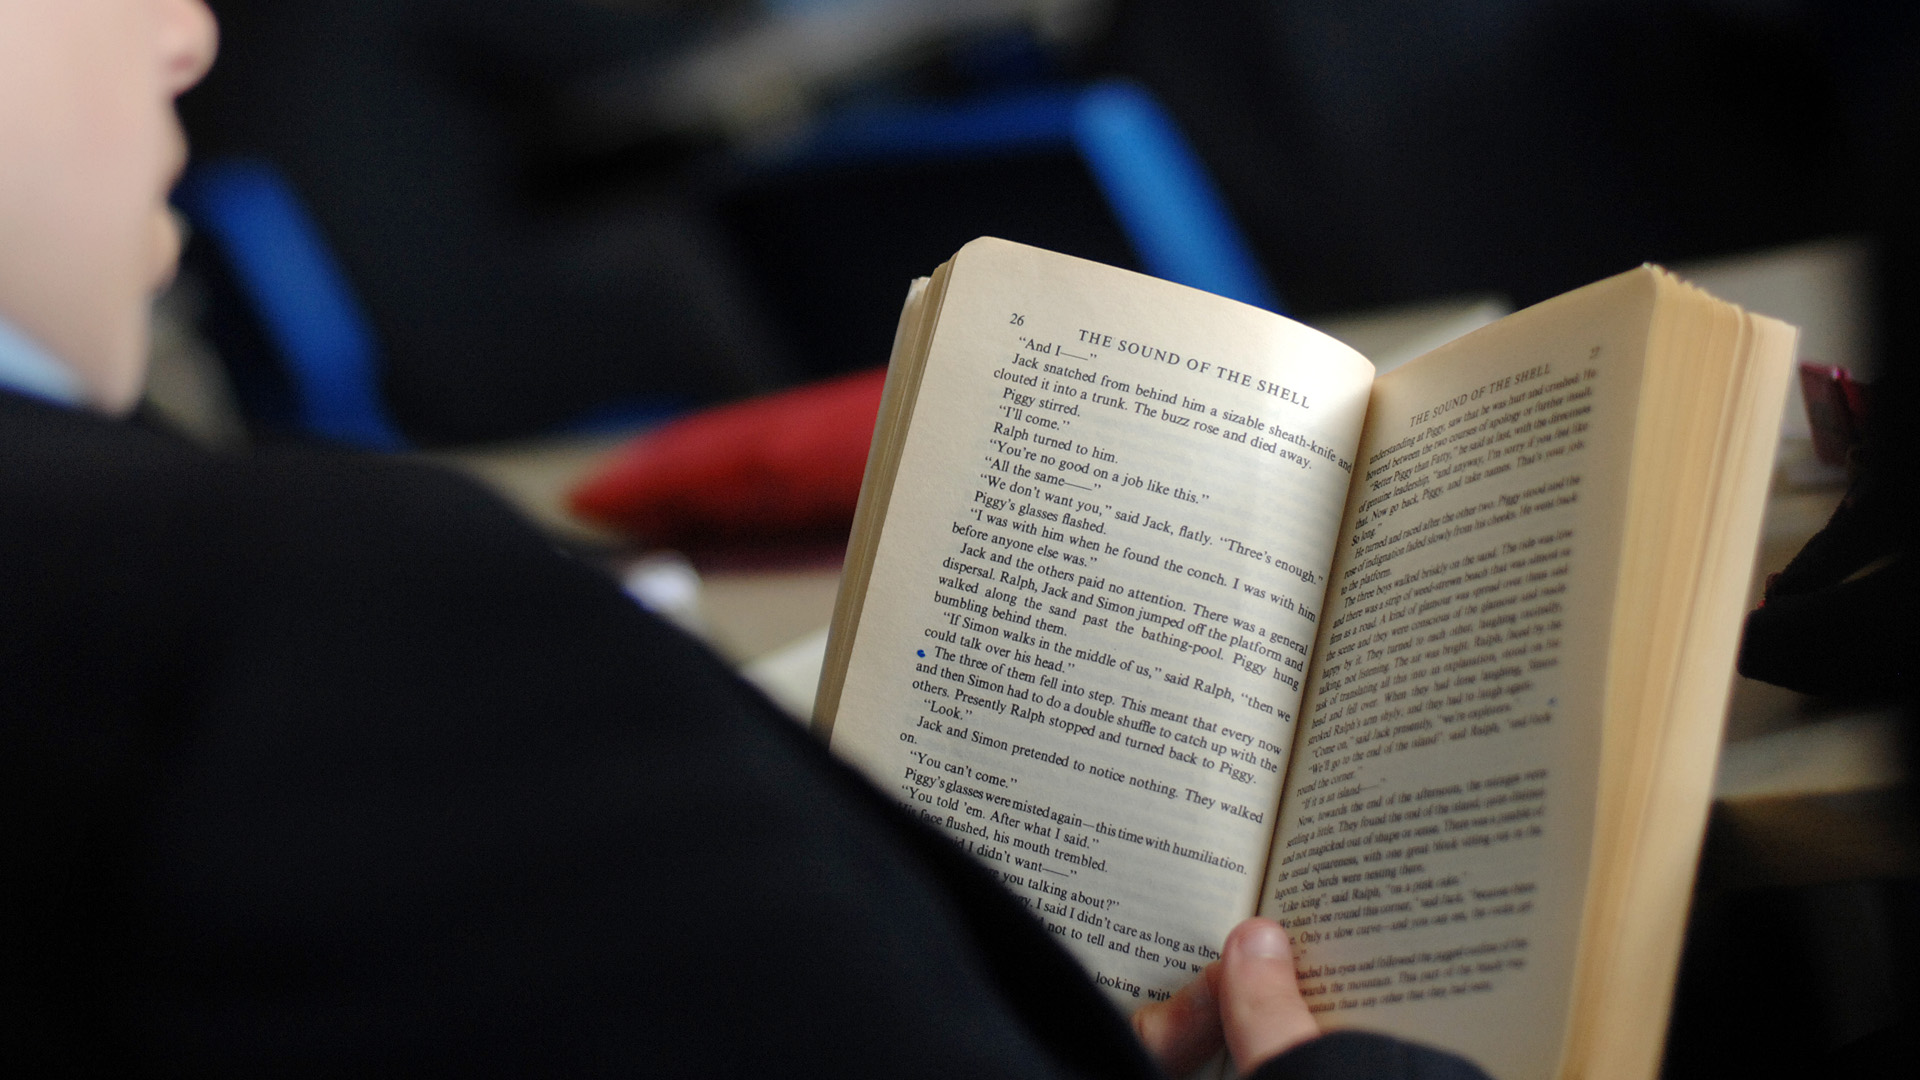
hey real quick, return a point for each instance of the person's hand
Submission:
(1247, 999)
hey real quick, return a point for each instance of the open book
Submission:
(1169, 610)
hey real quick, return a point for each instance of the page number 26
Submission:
(1017, 320)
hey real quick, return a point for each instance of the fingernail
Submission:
(1265, 941)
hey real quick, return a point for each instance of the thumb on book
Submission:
(1261, 1010)
(1249, 997)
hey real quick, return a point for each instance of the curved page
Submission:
(1086, 626)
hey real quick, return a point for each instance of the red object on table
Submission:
(782, 467)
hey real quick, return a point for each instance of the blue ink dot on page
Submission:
(920, 652)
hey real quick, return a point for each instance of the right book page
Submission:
(1433, 850)
(1505, 760)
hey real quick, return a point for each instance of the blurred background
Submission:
(515, 235)
(546, 212)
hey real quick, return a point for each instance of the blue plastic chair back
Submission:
(1154, 182)
(305, 306)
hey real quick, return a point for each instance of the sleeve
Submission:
(1363, 1055)
(440, 799)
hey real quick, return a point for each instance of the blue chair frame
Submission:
(1154, 182)
(305, 306)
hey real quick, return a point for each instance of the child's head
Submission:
(89, 147)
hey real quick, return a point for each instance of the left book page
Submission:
(1099, 517)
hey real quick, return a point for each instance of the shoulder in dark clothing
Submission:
(328, 766)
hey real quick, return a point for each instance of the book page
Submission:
(1432, 854)
(1084, 635)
